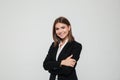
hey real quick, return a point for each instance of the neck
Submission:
(64, 40)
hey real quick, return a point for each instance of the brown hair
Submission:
(64, 21)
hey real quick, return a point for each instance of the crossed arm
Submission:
(69, 61)
(63, 67)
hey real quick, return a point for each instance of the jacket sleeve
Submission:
(49, 62)
(76, 50)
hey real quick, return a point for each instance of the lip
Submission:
(61, 34)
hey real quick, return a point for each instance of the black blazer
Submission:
(53, 66)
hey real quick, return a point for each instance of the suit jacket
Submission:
(53, 66)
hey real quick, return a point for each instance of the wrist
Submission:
(62, 62)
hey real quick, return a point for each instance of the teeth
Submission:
(61, 34)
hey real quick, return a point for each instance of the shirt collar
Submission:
(64, 43)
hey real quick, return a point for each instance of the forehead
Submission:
(60, 25)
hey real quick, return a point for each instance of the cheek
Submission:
(66, 30)
(56, 32)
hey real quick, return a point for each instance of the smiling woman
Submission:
(64, 52)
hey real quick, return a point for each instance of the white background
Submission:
(26, 34)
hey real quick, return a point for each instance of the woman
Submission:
(63, 53)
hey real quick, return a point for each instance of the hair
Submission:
(64, 21)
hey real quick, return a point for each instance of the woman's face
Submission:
(62, 30)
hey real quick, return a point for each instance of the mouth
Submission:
(61, 34)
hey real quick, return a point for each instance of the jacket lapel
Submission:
(63, 51)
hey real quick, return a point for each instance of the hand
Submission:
(68, 61)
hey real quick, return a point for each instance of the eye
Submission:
(63, 27)
(56, 28)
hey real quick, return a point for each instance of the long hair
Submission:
(64, 21)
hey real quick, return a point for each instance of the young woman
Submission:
(63, 53)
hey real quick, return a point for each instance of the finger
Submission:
(70, 56)
(73, 60)
(72, 65)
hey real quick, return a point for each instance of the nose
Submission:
(60, 30)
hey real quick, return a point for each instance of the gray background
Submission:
(26, 34)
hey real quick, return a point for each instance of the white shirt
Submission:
(60, 48)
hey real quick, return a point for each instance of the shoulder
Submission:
(51, 48)
(77, 44)
(53, 45)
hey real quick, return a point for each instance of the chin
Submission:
(62, 37)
